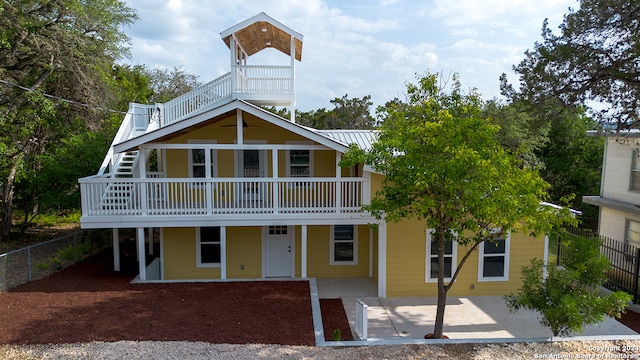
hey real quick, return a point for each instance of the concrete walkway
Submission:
(465, 317)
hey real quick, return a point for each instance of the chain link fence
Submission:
(43, 259)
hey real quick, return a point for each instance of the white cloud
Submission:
(353, 47)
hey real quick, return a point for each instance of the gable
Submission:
(226, 115)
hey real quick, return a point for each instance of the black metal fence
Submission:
(40, 260)
(624, 274)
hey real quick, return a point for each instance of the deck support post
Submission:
(142, 263)
(303, 252)
(382, 259)
(150, 241)
(116, 249)
(223, 252)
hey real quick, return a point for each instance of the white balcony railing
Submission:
(249, 79)
(103, 196)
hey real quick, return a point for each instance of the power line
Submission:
(62, 99)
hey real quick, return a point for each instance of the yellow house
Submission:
(240, 193)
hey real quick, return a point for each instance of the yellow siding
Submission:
(406, 262)
(244, 247)
(180, 256)
(177, 160)
(318, 249)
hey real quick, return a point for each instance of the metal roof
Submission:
(363, 138)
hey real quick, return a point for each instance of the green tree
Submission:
(569, 297)
(443, 164)
(594, 59)
(58, 48)
(347, 114)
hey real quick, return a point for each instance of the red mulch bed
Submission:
(334, 317)
(89, 302)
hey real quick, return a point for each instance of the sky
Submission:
(352, 47)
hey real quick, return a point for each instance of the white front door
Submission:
(278, 251)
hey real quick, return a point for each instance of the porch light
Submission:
(268, 43)
(264, 29)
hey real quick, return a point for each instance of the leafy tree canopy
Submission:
(443, 164)
(569, 297)
(592, 61)
(347, 114)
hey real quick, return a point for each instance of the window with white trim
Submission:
(635, 170)
(344, 244)
(299, 161)
(208, 246)
(198, 161)
(633, 232)
(450, 258)
(493, 261)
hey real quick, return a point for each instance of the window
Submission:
(450, 258)
(633, 232)
(493, 262)
(208, 246)
(344, 245)
(635, 170)
(198, 162)
(299, 162)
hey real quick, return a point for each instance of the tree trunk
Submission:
(7, 203)
(442, 291)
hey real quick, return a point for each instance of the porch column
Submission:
(293, 77)
(116, 249)
(142, 264)
(303, 252)
(275, 190)
(223, 252)
(338, 203)
(239, 128)
(382, 259)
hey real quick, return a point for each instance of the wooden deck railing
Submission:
(102, 196)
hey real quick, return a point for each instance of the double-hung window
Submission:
(450, 258)
(299, 162)
(344, 245)
(493, 261)
(198, 162)
(633, 232)
(208, 246)
(635, 171)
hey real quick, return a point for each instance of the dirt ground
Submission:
(89, 302)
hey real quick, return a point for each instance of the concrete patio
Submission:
(465, 317)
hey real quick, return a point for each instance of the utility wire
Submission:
(63, 100)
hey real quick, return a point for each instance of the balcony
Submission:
(259, 84)
(105, 199)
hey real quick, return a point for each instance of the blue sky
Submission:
(352, 47)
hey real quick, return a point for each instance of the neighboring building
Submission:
(619, 198)
(240, 193)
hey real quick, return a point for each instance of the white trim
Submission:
(199, 262)
(227, 108)
(370, 251)
(355, 246)
(210, 158)
(507, 245)
(427, 267)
